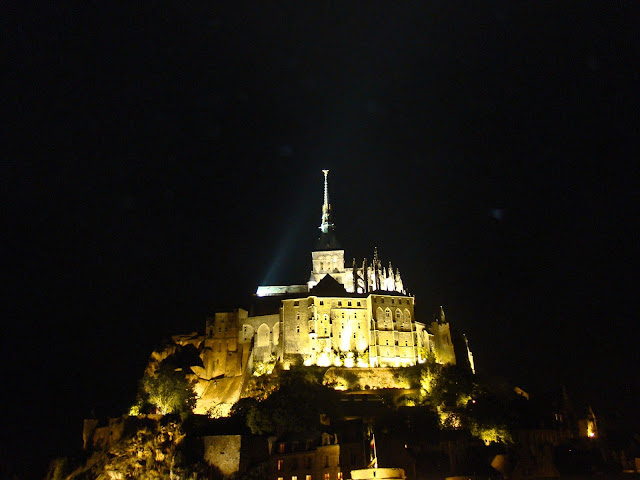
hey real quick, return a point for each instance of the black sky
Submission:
(162, 161)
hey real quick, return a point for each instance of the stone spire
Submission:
(326, 207)
(327, 240)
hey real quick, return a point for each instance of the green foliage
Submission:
(168, 390)
(295, 407)
(264, 368)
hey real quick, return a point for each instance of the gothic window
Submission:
(387, 313)
(379, 314)
(407, 315)
(398, 315)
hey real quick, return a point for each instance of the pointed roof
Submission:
(329, 287)
(327, 240)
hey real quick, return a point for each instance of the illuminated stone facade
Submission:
(360, 316)
(348, 317)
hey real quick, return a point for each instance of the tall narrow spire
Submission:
(327, 240)
(326, 207)
(326, 188)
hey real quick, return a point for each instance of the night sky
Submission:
(160, 162)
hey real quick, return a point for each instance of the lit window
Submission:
(327, 476)
(280, 478)
(339, 475)
(280, 463)
(294, 477)
(308, 477)
(281, 448)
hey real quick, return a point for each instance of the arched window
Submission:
(379, 314)
(398, 315)
(387, 313)
(263, 335)
(407, 315)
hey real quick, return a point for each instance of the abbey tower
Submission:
(357, 317)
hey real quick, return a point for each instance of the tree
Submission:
(168, 390)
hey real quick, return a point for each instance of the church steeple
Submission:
(326, 207)
(327, 240)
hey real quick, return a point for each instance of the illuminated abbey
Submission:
(356, 317)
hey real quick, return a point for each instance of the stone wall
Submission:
(223, 452)
(364, 378)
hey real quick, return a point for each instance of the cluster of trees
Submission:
(296, 405)
(167, 388)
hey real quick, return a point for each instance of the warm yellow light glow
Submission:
(323, 360)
